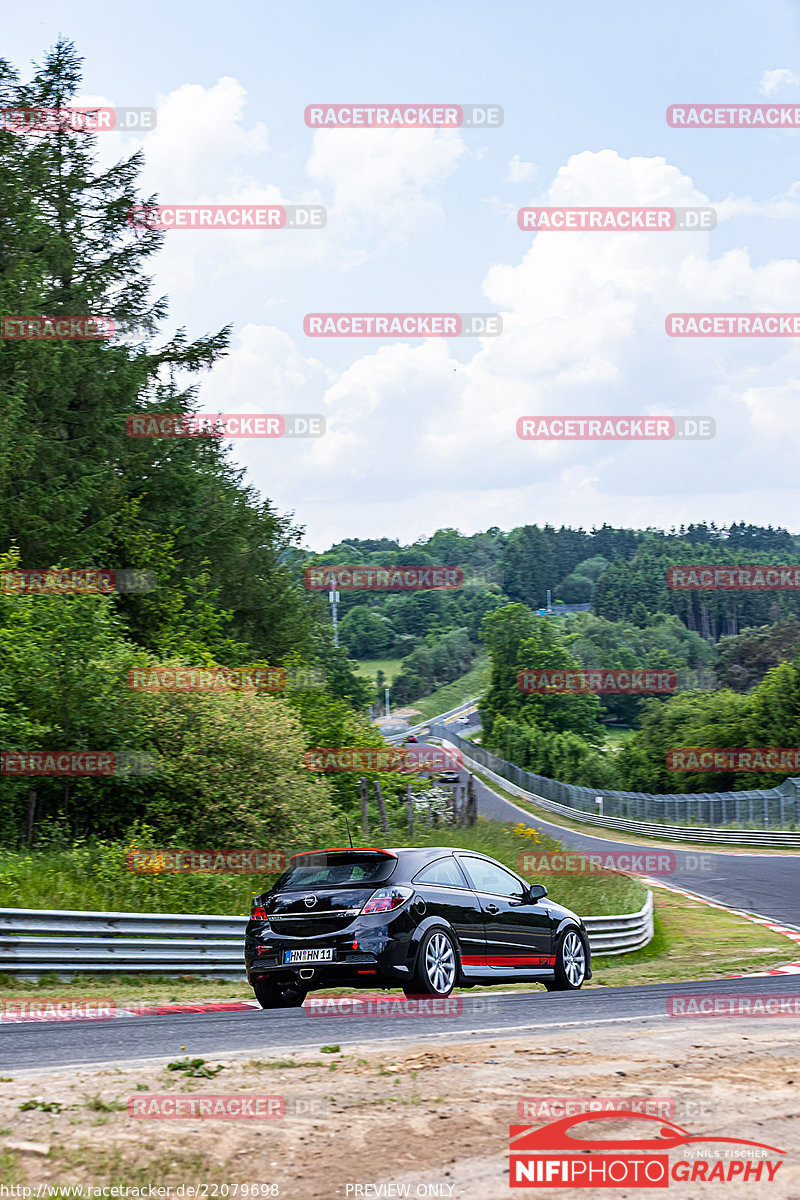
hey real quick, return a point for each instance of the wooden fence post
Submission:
(472, 803)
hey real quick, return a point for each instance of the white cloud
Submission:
(519, 171)
(200, 142)
(380, 187)
(775, 81)
(418, 437)
(783, 207)
(384, 181)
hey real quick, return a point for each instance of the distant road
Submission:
(768, 885)
(765, 884)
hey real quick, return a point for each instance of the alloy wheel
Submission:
(574, 959)
(440, 963)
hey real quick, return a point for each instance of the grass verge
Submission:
(452, 694)
(695, 941)
(94, 877)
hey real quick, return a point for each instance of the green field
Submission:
(444, 698)
(368, 668)
(453, 694)
(616, 737)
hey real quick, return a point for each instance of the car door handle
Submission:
(492, 908)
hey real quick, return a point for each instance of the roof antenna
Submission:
(347, 823)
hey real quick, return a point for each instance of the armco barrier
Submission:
(34, 941)
(438, 720)
(581, 806)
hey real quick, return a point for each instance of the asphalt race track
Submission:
(768, 885)
(127, 1039)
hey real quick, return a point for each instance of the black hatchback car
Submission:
(426, 920)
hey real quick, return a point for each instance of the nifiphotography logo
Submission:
(553, 1156)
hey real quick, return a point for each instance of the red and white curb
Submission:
(791, 968)
(208, 1006)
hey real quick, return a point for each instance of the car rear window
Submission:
(332, 869)
(444, 871)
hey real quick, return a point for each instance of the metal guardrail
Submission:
(453, 712)
(34, 942)
(475, 758)
(773, 806)
(623, 932)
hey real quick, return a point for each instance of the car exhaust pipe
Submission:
(307, 974)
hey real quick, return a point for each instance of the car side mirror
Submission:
(537, 892)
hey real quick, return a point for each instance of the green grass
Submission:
(444, 698)
(451, 695)
(617, 737)
(694, 941)
(368, 668)
(95, 877)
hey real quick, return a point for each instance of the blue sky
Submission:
(422, 434)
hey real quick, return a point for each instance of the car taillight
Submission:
(385, 899)
(258, 913)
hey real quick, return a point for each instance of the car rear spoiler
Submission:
(345, 850)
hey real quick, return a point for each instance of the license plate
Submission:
(297, 956)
